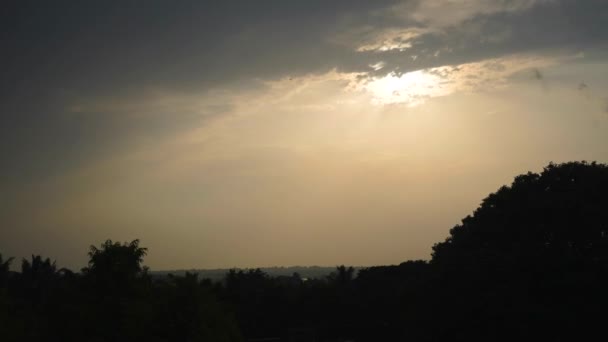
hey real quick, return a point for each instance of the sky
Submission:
(275, 133)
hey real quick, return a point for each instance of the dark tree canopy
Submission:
(4, 269)
(116, 259)
(560, 213)
(531, 263)
(38, 266)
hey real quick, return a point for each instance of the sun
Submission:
(412, 88)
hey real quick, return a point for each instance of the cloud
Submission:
(84, 82)
(389, 40)
(415, 87)
(469, 31)
(441, 14)
(109, 61)
(114, 47)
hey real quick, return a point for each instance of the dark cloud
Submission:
(548, 28)
(57, 53)
(99, 48)
(194, 43)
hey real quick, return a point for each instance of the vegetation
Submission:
(530, 262)
(306, 272)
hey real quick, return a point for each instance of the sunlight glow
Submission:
(411, 88)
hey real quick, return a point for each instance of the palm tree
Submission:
(115, 267)
(4, 269)
(39, 273)
(5, 264)
(38, 267)
(343, 275)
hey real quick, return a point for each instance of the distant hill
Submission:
(308, 272)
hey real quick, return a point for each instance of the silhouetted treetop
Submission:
(5, 264)
(4, 269)
(559, 213)
(113, 259)
(342, 276)
(38, 272)
(38, 265)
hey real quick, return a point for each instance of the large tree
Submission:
(561, 213)
(532, 260)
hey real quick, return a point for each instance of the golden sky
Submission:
(286, 134)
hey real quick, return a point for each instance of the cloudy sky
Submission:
(261, 133)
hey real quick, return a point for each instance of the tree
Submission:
(343, 276)
(188, 310)
(118, 290)
(38, 279)
(116, 263)
(5, 266)
(559, 213)
(38, 269)
(531, 260)
(5, 325)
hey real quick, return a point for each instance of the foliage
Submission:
(119, 261)
(560, 213)
(113, 299)
(530, 263)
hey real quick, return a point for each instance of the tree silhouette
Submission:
(559, 213)
(531, 261)
(118, 290)
(38, 269)
(189, 311)
(5, 266)
(343, 275)
(116, 260)
(5, 319)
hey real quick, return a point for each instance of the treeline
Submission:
(306, 272)
(113, 299)
(530, 263)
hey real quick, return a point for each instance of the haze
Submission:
(269, 133)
